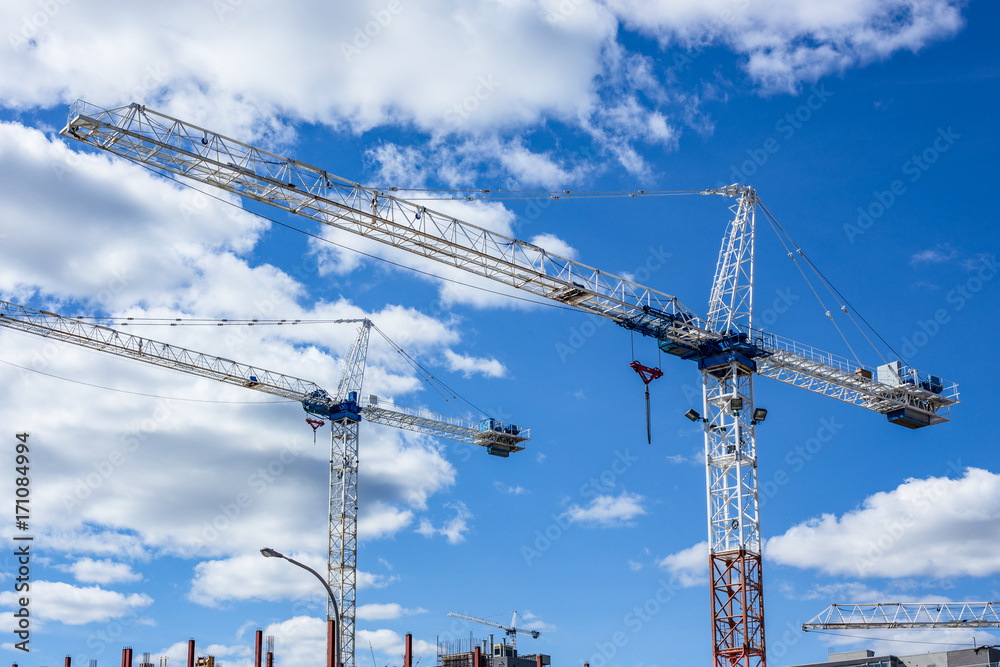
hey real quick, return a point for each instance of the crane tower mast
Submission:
(731, 456)
(728, 349)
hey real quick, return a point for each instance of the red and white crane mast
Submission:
(734, 538)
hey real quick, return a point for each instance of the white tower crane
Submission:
(512, 630)
(344, 410)
(728, 350)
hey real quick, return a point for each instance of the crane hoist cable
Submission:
(435, 382)
(841, 301)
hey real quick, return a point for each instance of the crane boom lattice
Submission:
(907, 615)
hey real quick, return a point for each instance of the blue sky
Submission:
(867, 129)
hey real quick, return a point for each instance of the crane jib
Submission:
(906, 396)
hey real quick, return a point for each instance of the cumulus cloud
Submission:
(508, 489)
(571, 67)
(253, 577)
(385, 612)
(469, 365)
(391, 643)
(104, 571)
(688, 567)
(936, 255)
(78, 605)
(608, 511)
(936, 527)
(784, 42)
(453, 529)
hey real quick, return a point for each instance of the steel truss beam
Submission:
(900, 615)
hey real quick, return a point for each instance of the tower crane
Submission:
(345, 410)
(727, 348)
(512, 630)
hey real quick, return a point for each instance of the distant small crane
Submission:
(512, 630)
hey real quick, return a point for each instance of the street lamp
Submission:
(333, 634)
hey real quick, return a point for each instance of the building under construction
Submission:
(478, 653)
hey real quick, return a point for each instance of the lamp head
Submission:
(759, 415)
(693, 415)
(267, 552)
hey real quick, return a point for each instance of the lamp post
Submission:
(333, 632)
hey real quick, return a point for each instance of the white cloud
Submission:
(453, 529)
(103, 571)
(936, 527)
(391, 643)
(466, 78)
(554, 245)
(936, 255)
(136, 253)
(469, 365)
(508, 489)
(385, 612)
(76, 605)
(302, 641)
(529, 621)
(688, 567)
(454, 164)
(372, 580)
(254, 577)
(787, 42)
(608, 511)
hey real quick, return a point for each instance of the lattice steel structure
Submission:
(906, 615)
(728, 350)
(731, 454)
(344, 411)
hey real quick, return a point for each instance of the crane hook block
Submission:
(315, 423)
(645, 372)
(648, 375)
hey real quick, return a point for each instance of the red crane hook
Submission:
(648, 375)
